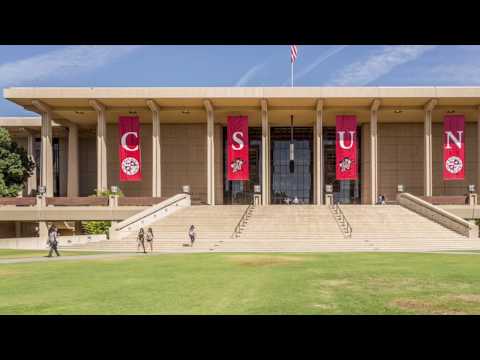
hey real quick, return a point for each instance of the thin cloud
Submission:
(319, 60)
(464, 74)
(379, 64)
(60, 63)
(248, 76)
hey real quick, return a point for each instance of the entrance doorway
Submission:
(285, 184)
(241, 192)
(345, 191)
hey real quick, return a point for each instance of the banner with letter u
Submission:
(129, 148)
(346, 147)
(454, 147)
(237, 141)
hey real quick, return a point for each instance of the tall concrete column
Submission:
(318, 154)
(32, 180)
(46, 153)
(373, 151)
(210, 153)
(427, 168)
(265, 154)
(102, 183)
(72, 172)
(43, 230)
(156, 150)
(18, 229)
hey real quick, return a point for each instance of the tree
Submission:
(15, 165)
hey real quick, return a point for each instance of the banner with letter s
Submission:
(454, 147)
(238, 154)
(346, 147)
(129, 148)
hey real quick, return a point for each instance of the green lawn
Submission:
(16, 254)
(246, 284)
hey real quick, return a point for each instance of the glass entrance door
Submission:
(287, 185)
(345, 191)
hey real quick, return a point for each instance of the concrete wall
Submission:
(87, 167)
(400, 160)
(184, 161)
(400, 157)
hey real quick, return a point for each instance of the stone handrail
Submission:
(341, 220)
(438, 215)
(446, 200)
(150, 215)
(242, 221)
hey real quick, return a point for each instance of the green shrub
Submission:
(99, 227)
(96, 227)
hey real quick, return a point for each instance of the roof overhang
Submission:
(74, 103)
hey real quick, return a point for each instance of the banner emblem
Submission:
(129, 148)
(454, 147)
(237, 141)
(346, 148)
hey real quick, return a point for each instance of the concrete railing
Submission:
(438, 215)
(18, 201)
(149, 216)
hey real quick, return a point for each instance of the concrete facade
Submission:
(406, 147)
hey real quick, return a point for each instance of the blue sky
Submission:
(354, 65)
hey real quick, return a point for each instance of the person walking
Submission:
(192, 233)
(150, 238)
(52, 241)
(141, 240)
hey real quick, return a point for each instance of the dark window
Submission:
(286, 184)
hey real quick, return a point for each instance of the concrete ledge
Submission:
(68, 213)
(38, 243)
(438, 215)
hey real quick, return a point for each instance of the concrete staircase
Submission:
(294, 228)
(214, 224)
(395, 228)
(287, 228)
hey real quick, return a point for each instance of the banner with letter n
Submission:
(346, 147)
(237, 142)
(129, 148)
(454, 147)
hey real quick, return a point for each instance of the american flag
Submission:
(293, 53)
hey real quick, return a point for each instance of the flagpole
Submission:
(292, 74)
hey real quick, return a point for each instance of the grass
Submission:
(333, 283)
(17, 254)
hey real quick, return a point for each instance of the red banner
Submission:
(454, 147)
(237, 137)
(346, 147)
(129, 148)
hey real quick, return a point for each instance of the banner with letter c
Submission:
(238, 154)
(346, 147)
(129, 148)
(454, 147)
